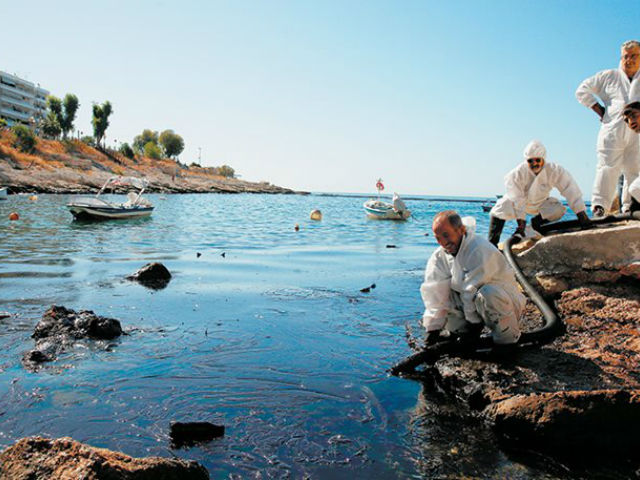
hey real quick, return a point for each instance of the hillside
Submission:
(73, 166)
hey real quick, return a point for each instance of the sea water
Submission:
(263, 329)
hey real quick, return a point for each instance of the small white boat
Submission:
(380, 210)
(96, 208)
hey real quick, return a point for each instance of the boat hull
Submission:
(382, 211)
(80, 212)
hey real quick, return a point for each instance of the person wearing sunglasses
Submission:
(617, 147)
(527, 192)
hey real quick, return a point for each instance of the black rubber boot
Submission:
(537, 222)
(495, 229)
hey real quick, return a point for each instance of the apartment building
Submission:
(21, 101)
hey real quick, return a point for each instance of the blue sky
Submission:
(437, 98)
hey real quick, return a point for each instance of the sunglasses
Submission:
(535, 160)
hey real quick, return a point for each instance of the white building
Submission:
(21, 101)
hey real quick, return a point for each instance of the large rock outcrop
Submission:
(599, 255)
(43, 458)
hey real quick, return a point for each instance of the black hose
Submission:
(552, 328)
(570, 225)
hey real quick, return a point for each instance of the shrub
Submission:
(89, 140)
(126, 150)
(25, 140)
(226, 171)
(152, 150)
(3, 123)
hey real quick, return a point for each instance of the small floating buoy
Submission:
(316, 215)
(297, 227)
(14, 216)
(33, 198)
(198, 254)
(223, 254)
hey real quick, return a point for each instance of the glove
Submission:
(520, 230)
(432, 338)
(585, 221)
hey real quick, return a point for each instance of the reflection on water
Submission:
(274, 339)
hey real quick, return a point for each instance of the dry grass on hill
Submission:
(72, 165)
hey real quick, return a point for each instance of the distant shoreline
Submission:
(72, 167)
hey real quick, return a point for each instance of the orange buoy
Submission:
(297, 227)
(14, 216)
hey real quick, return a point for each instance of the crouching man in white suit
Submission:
(527, 191)
(468, 284)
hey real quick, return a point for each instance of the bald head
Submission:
(450, 216)
(449, 231)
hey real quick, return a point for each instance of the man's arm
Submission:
(569, 189)
(588, 90)
(436, 292)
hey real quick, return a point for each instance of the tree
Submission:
(152, 150)
(139, 141)
(3, 123)
(51, 126)
(70, 104)
(126, 150)
(25, 140)
(171, 143)
(100, 120)
(226, 171)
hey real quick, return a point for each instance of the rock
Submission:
(551, 286)
(585, 256)
(43, 458)
(544, 398)
(59, 320)
(189, 433)
(153, 275)
(61, 327)
(601, 422)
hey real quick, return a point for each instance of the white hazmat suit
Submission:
(527, 192)
(476, 285)
(617, 146)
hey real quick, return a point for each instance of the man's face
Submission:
(536, 164)
(630, 60)
(447, 236)
(632, 119)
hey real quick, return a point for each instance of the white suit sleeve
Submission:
(588, 89)
(516, 194)
(482, 265)
(436, 292)
(569, 189)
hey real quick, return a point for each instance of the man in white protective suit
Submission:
(527, 191)
(468, 284)
(617, 146)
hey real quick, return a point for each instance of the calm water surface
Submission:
(274, 340)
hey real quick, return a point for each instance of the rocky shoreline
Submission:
(577, 398)
(74, 167)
